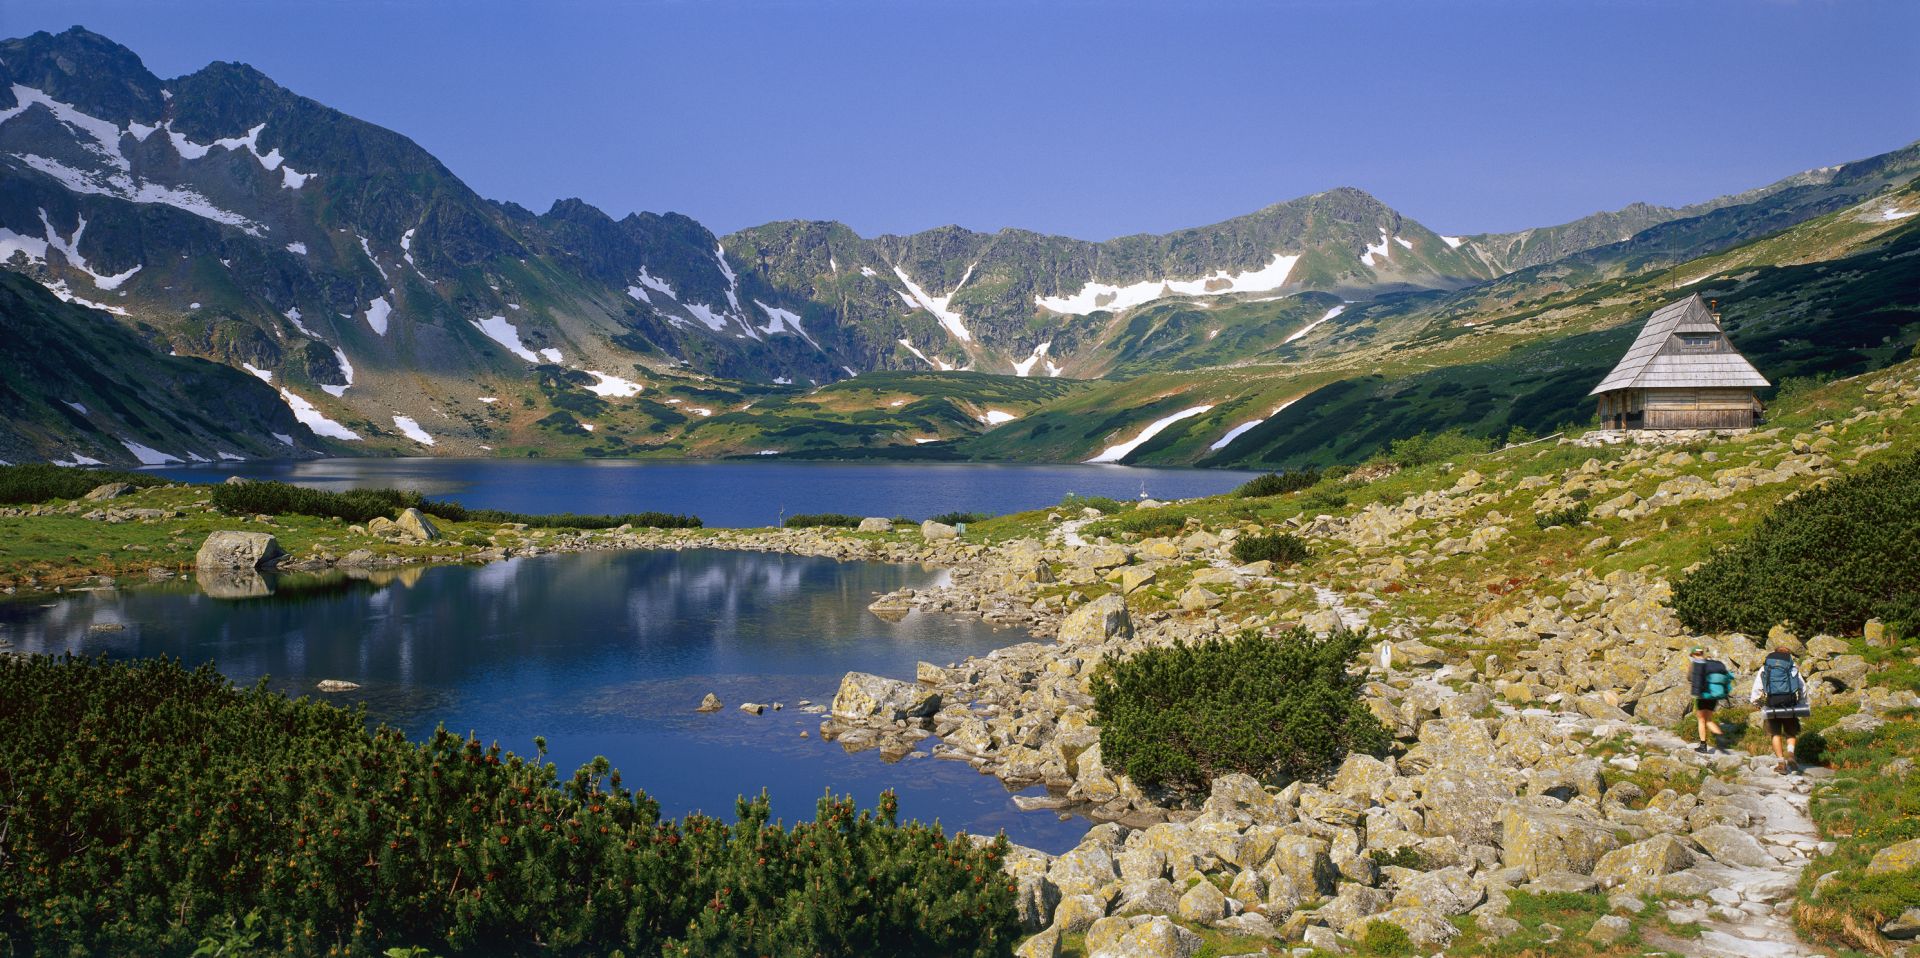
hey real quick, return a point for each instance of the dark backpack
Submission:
(1781, 685)
(1718, 682)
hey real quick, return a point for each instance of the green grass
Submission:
(1863, 810)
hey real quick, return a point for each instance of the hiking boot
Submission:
(1783, 768)
(1703, 748)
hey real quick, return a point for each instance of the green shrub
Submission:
(150, 809)
(1276, 483)
(1281, 548)
(956, 518)
(1572, 515)
(1074, 502)
(1428, 448)
(1403, 857)
(1264, 705)
(1826, 560)
(1387, 940)
(1323, 499)
(38, 482)
(363, 505)
(813, 520)
(1142, 522)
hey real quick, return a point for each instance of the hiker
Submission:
(1710, 683)
(1784, 697)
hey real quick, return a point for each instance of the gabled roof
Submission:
(1644, 366)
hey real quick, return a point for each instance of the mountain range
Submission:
(363, 300)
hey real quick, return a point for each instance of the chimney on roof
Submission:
(1713, 306)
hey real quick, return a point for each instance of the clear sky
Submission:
(1092, 119)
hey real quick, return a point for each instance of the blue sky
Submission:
(1089, 119)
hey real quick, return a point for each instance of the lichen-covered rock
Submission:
(413, 523)
(1140, 936)
(1199, 599)
(1362, 777)
(711, 703)
(1731, 846)
(238, 550)
(1204, 902)
(1426, 928)
(935, 531)
(1088, 869)
(1543, 838)
(1077, 913)
(1446, 891)
(863, 695)
(876, 524)
(1154, 896)
(1097, 621)
(1902, 856)
(1641, 865)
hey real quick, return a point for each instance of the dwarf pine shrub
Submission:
(1826, 560)
(1264, 705)
(1282, 548)
(149, 809)
(819, 520)
(363, 505)
(1276, 483)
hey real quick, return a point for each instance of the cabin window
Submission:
(1698, 344)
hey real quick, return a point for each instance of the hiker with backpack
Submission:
(1710, 683)
(1785, 698)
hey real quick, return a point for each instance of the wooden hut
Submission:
(1681, 373)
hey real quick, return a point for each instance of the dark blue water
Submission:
(602, 653)
(732, 494)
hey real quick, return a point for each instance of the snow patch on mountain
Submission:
(1453, 241)
(70, 248)
(502, 331)
(1308, 328)
(293, 316)
(266, 376)
(654, 283)
(784, 320)
(1119, 451)
(346, 370)
(78, 460)
(80, 408)
(297, 248)
(106, 135)
(377, 312)
(291, 180)
(868, 272)
(61, 292)
(148, 455)
(1024, 367)
(939, 364)
(1242, 429)
(733, 282)
(938, 305)
(368, 249)
(707, 316)
(1890, 214)
(412, 430)
(996, 417)
(124, 187)
(11, 242)
(1404, 244)
(1096, 296)
(551, 354)
(613, 387)
(314, 419)
(1377, 252)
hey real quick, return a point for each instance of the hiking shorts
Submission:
(1784, 726)
(1705, 705)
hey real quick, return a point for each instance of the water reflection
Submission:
(603, 653)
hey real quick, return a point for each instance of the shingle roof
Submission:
(1645, 367)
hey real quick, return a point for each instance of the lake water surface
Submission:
(732, 494)
(603, 653)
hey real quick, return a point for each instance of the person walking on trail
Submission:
(1710, 683)
(1784, 697)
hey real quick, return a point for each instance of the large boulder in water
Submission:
(238, 550)
(863, 696)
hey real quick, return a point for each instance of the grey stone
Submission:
(1140, 936)
(415, 524)
(238, 550)
(876, 524)
(864, 695)
(1097, 621)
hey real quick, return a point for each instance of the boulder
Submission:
(1362, 777)
(415, 524)
(238, 550)
(1045, 944)
(1204, 902)
(1643, 862)
(1904, 926)
(1543, 838)
(336, 685)
(1097, 621)
(1199, 599)
(1133, 578)
(876, 524)
(1088, 869)
(108, 490)
(1154, 896)
(1902, 856)
(1609, 929)
(709, 704)
(1077, 913)
(1731, 846)
(379, 526)
(1447, 891)
(1428, 929)
(934, 531)
(864, 695)
(1140, 936)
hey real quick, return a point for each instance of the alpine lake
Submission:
(609, 653)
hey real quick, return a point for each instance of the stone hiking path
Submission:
(1751, 914)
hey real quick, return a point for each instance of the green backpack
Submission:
(1719, 684)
